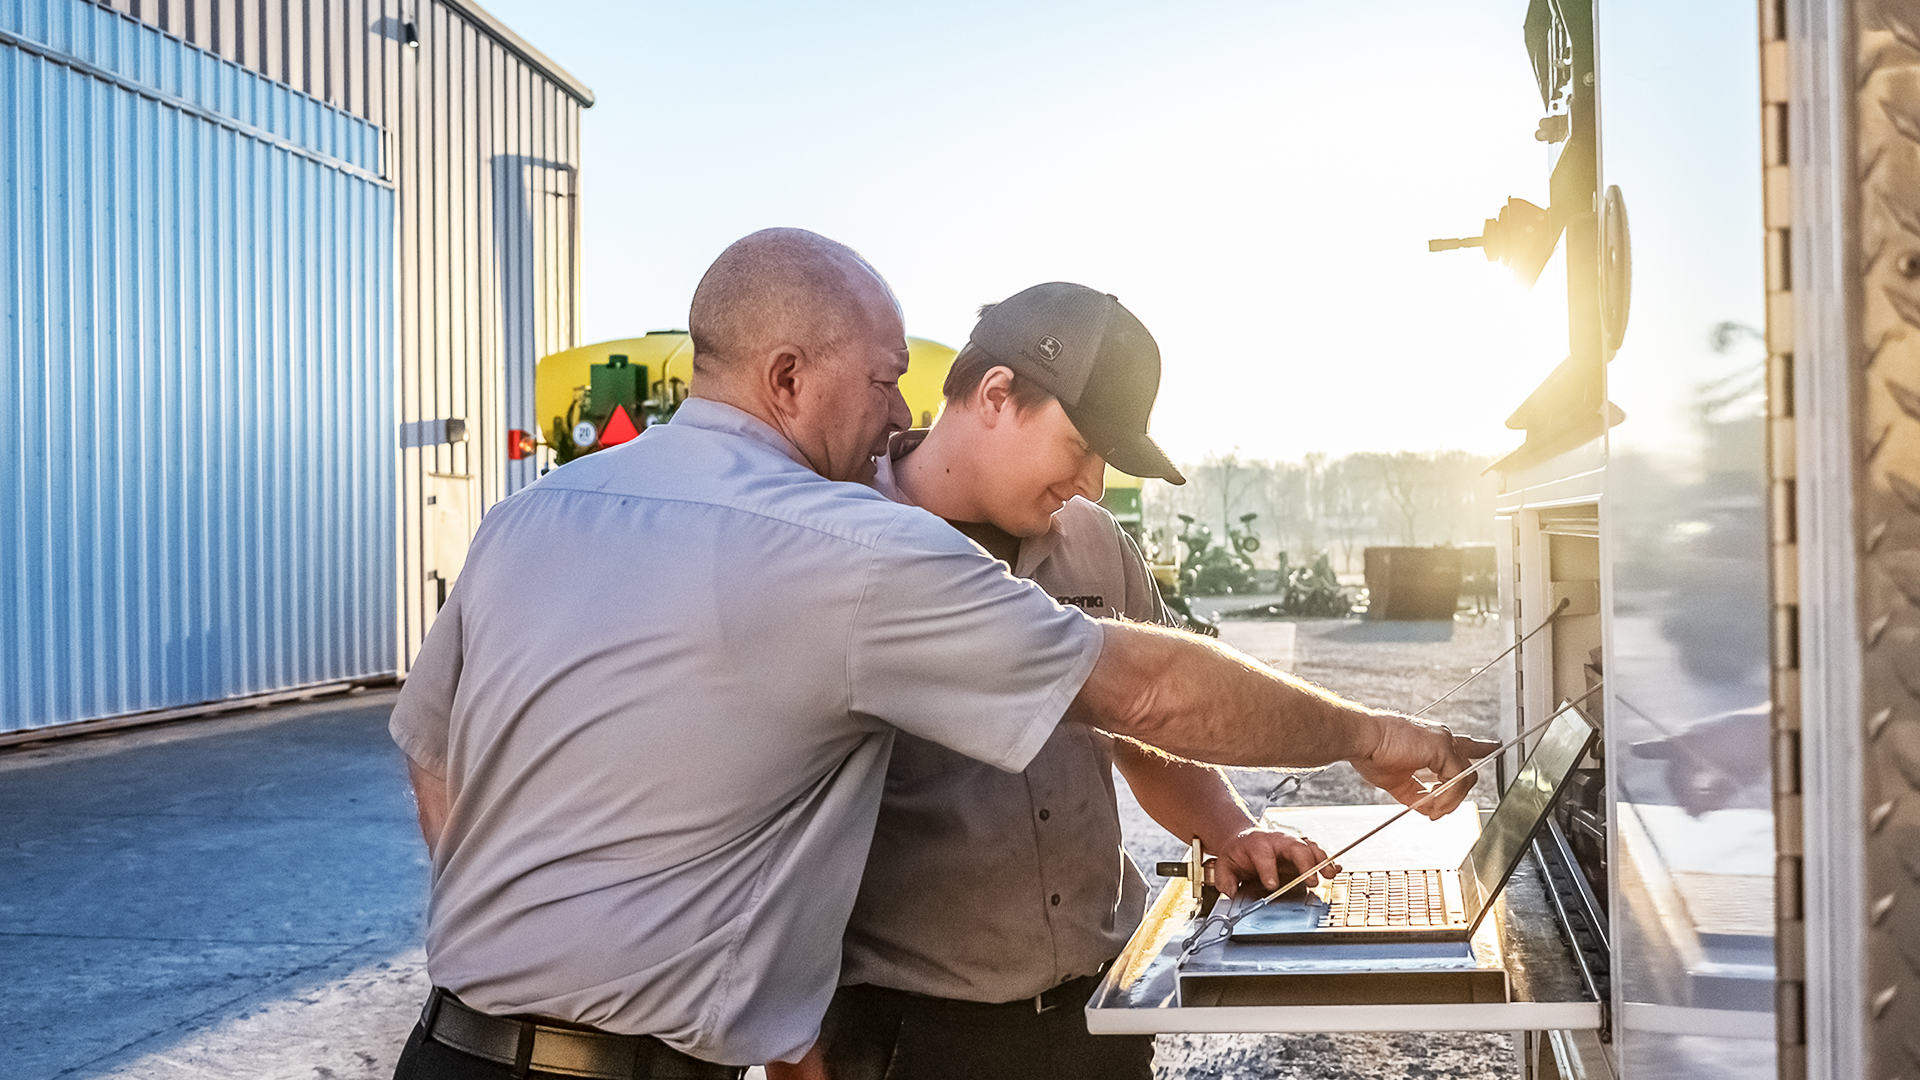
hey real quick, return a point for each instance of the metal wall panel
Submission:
(196, 275)
(482, 142)
(487, 141)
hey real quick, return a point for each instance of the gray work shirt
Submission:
(663, 693)
(988, 886)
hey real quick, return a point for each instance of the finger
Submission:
(1270, 866)
(1412, 792)
(1468, 746)
(1448, 800)
(1332, 869)
(1272, 853)
(1311, 856)
(1278, 858)
(1406, 790)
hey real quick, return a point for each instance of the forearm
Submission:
(1197, 699)
(1187, 798)
(430, 801)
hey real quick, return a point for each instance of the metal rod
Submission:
(1297, 776)
(1433, 792)
(1488, 666)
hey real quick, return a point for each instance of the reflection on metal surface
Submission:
(1687, 656)
(1711, 762)
(1707, 884)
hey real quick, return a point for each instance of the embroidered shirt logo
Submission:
(1081, 601)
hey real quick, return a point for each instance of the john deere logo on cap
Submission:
(1050, 348)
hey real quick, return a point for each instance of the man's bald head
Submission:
(802, 334)
(780, 287)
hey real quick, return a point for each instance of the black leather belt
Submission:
(530, 1045)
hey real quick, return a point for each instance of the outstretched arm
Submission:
(1201, 700)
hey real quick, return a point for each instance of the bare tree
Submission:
(1334, 504)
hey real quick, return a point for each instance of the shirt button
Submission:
(1045, 814)
(1056, 899)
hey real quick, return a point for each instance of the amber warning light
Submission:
(521, 444)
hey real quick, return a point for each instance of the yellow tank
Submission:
(559, 378)
(668, 357)
(927, 365)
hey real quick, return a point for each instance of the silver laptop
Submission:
(1437, 903)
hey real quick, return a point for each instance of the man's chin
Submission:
(1037, 526)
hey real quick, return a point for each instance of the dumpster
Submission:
(1409, 584)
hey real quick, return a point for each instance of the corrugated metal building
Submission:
(273, 280)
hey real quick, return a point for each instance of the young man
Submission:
(992, 901)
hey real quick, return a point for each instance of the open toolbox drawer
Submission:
(1350, 988)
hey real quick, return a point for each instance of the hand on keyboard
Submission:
(1267, 858)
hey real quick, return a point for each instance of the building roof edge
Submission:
(504, 34)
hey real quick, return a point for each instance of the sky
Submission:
(1255, 181)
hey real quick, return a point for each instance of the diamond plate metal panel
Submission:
(1886, 116)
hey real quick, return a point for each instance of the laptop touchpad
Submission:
(1285, 916)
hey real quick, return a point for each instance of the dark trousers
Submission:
(873, 1033)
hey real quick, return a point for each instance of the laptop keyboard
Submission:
(1410, 898)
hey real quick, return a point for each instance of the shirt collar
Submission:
(711, 415)
(898, 447)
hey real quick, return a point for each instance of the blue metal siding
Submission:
(196, 313)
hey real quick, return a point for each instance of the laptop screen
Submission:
(1504, 837)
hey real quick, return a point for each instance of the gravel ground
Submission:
(1391, 665)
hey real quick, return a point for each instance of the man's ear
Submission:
(994, 395)
(784, 371)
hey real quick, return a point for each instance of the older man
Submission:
(650, 729)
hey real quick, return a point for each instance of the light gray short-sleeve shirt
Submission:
(663, 693)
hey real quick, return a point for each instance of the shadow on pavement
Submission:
(1367, 630)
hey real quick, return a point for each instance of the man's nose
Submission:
(899, 417)
(1091, 484)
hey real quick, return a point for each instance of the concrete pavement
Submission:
(234, 897)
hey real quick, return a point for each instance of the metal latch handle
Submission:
(1198, 869)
